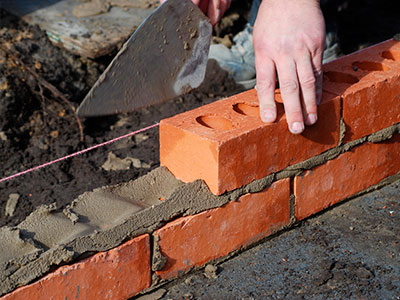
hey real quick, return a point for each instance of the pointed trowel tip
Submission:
(165, 57)
(82, 111)
(87, 109)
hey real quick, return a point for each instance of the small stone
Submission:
(136, 163)
(3, 136)
(188, 296)
(351, 228)
(121, 122)
(38, 65)
(73, 217)
(11, 204)
(114, 163)
(54, 134)
(186, 46)
(189, 281)
(154, 296)
(140, 137)
(211, 271)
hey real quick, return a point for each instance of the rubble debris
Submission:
(11, 204)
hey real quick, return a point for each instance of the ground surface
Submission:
(350, 252)
(37, 126)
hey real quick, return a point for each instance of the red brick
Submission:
(369, 82)
(346, 175)
(227, 145)
(119, 273)
(194, 240)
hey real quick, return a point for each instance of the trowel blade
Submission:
(166, 57)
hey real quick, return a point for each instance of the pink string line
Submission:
(78, 153)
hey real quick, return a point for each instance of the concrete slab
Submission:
(89, 36)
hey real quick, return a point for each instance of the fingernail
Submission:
(297, 127)
(311, 119)
(268, 115)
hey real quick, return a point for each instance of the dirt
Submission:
(36, 126)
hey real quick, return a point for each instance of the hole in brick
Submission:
(247, 109)
(340, 77)
(391, 54)
(370, 66)
(215, 122)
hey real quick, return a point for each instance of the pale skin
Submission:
(288, 40)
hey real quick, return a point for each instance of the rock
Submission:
(189, 280)
(211, 271)
(92, 8)
(154, 296)
(54, 134)
(70, 215)
(136, 163)
(3, 136)
(121, 122)
(140, 137)
(114, 163)
(11, 204)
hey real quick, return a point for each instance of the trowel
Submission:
(164, 58)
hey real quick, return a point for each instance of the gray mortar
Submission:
(342, 124)
(158, 260)
(384, 134)
(158, 282)
(15, 251)
(108, 216)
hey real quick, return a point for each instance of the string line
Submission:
(78, 153)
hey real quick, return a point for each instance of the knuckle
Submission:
(289, 86)
(295, 115)
(308, 82)
(265, 85)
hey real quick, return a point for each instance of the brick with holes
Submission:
(369, 83)
(227, 145)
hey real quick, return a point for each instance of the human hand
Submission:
(289, 38)
(214, 9)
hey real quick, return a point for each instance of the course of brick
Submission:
(116, 274)
(257, 179)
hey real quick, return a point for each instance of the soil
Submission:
(36, 126)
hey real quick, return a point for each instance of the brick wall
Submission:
(354, 146)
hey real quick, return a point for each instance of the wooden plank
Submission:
(91, 36)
